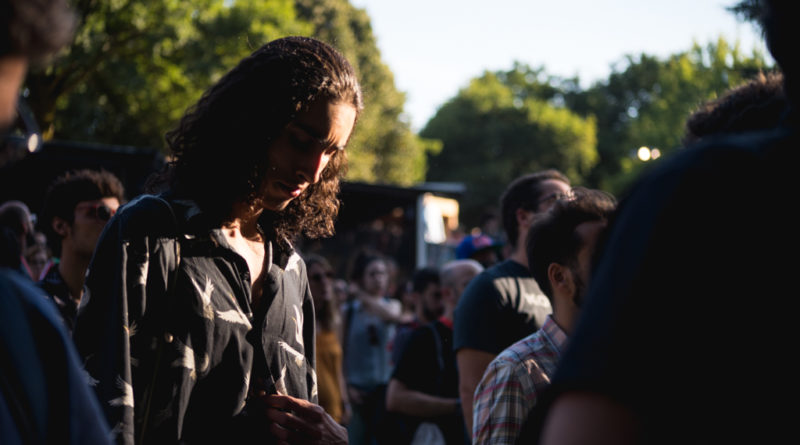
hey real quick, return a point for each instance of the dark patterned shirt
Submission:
(57, 290)
(168, 333)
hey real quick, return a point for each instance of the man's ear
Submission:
(60, 226)
(524, 217)
(560, 279)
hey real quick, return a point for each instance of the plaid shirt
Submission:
(512, 381)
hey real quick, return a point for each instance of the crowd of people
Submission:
(187, 315)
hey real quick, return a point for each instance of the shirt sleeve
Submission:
(415, 366)
(502, 401)
(124, 270)
(477, 315)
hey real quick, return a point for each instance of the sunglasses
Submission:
(98, 211)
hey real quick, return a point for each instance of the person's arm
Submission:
(401, 399)
(471, 365)
(299, 421)
(602, 421)
(127, 276)
(389, 311)
(503, 400)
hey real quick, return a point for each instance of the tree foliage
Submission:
(503, 125)
(508, 123)
(136, 65)
(383, 149)
(645, 102)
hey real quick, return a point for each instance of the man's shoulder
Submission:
(522, 353)
(147, 215)
(497, 278)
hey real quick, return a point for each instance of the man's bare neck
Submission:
(72, 268)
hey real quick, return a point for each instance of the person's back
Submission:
(712, 226)
(522, 308)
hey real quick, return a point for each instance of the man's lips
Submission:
(292, 190)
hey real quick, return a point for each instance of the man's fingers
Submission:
(301, 408)
(292, 425)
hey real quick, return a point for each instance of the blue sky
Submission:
(434, 47)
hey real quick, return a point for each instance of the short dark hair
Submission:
(524, 193)
(71, 188)
(34, 29)
(422, 278)
(313, 258)
(360, 262)
(758, 104)
(220, 143)
(553, 238)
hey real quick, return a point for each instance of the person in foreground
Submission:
(710, 228)
(560, 248)
(44, 397)
(198, 324)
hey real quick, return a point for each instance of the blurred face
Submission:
(37, 262)
(464, 276)
(581, 271)
(90, 219)
(552, 191)
(375, 279)
(431, 298)
(320, 280)
(12, 73)
(300, 153)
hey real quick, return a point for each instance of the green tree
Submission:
(383, 149)
(647, 100)
(503, 125)
(136, 65)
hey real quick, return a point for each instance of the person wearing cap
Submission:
(481, 248)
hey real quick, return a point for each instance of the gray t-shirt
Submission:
(500, 306)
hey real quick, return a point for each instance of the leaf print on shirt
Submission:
(314, 382)
(292, 263)
(186, 360)
(235, 316)
(298, 357)
(143, 268)
(205, 297)
(126, 399)
(280, 384)
(298, 325)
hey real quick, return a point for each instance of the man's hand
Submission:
(296, 421)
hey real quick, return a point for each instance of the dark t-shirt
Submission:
(430, 368)
(500, 306)
(687, 320)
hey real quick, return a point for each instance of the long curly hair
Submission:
(220, 145)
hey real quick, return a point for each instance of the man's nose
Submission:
(311, 165)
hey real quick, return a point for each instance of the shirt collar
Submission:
(554, 334)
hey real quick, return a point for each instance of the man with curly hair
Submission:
(199, 321)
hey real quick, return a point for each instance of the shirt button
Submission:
(168, 337)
